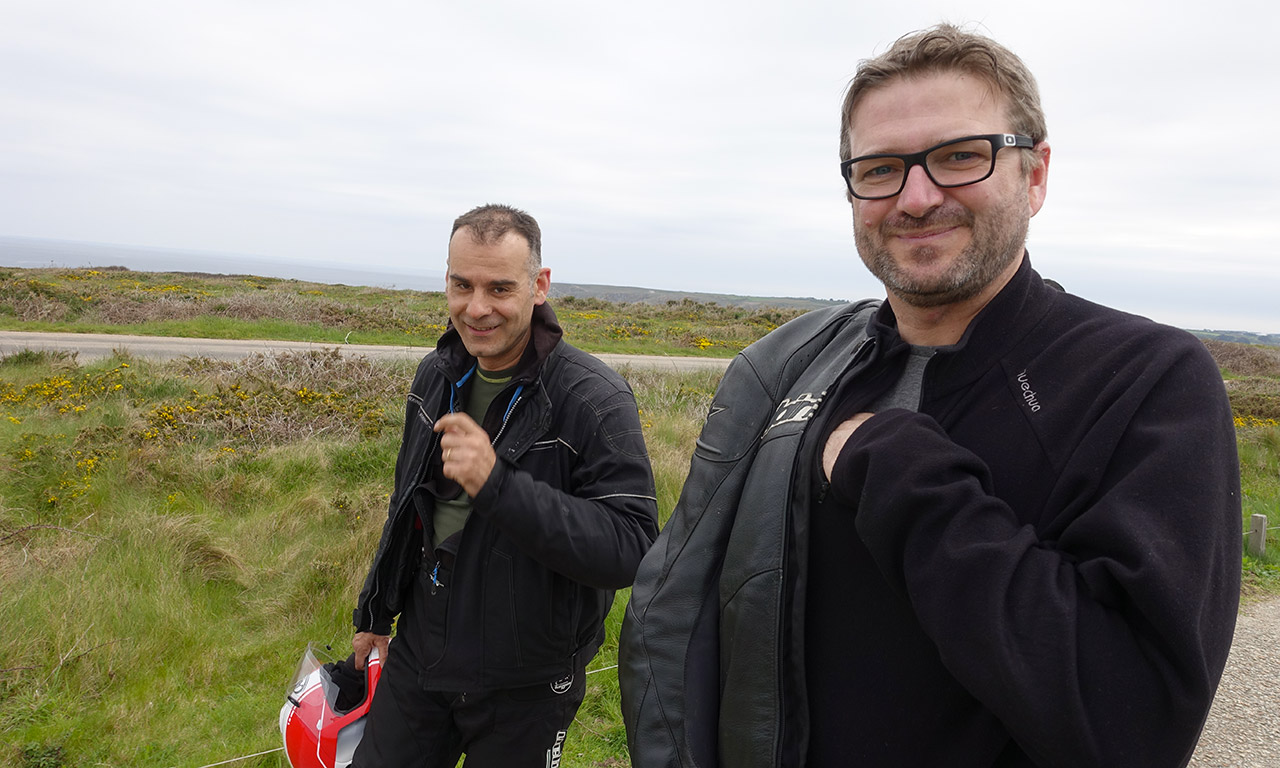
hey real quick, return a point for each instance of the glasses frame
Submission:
(998, 142)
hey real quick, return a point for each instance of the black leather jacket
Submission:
(692, 607)
(563, 520)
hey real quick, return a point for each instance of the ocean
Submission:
(30, 252)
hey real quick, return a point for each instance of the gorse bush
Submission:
(1253, 381)
(1245, 360)
(274, 399)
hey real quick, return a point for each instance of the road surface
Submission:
(95, 346)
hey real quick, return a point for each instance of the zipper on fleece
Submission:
(859, 354)
(825, 485)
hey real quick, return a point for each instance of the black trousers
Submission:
(408, 725)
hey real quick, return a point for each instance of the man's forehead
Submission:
(488, 268)
(486, 273)
(937, 106)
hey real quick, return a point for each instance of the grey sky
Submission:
(678, 145)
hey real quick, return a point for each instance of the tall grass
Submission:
(173, 534)
(1259, 446)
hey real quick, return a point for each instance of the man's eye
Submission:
(879, 173)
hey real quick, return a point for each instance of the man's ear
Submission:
(542, 285)
(1038, 178)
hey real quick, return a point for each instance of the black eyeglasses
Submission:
(954, 163)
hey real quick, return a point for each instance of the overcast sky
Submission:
(677, 145)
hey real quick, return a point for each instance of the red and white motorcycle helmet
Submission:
(317, 734)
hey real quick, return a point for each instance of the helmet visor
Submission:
(311, 672)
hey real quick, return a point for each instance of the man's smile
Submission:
(919, 237)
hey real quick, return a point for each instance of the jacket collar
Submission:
(546, 334)
(996, 329)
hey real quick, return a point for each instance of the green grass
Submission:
(173, 534)
(1260, 482)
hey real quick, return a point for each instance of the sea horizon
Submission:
(34, 252)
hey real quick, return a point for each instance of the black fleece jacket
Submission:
(1047, 553)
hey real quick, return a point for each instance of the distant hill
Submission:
(631, 294)
(1241, 337)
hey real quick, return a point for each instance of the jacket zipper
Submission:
(506, 417)
(825, 485)
(858, 355)
(435, 578)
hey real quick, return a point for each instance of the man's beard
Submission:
(995, 243)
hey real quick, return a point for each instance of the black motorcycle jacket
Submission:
(563, 520)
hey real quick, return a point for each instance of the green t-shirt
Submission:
(451, 515)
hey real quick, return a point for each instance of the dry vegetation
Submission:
(1253, 380)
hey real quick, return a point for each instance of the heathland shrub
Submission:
(1245, 359)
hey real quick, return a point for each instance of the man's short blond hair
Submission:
(948, 49)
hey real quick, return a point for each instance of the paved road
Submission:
(94, 346)
(1243, 730)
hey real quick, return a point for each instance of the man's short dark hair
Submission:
(491, 222)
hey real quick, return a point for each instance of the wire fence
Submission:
(1256, 536)
(281, 749)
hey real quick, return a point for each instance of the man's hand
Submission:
(468, 456)
(364, 642)
(835, 443)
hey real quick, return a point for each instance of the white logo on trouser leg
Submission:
(553, 754)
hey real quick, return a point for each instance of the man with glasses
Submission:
(982, 523)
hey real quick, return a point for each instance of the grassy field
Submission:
(247, 307)
(173, 534)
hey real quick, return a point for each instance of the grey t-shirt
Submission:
(450, 515)
(906, 392)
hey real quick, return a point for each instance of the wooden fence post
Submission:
(1257, 535)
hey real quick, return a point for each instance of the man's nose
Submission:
(478, 306)
(919, 194)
